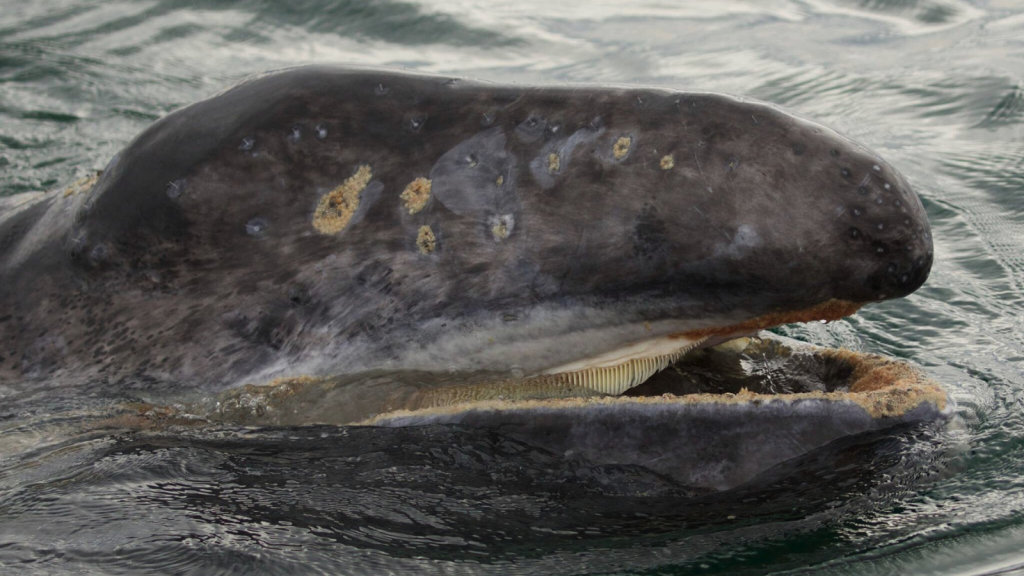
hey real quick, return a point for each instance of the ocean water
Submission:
(934, 86)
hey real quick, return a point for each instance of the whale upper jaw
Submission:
(268, 231)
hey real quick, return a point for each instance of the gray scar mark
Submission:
(477, 178)
(545, 168)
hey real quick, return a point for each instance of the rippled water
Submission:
(934, 86)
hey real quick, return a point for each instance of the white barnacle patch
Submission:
(553, 163)
(416, 195)
(555, 157)
(426, 241)
(501, 226)
(621, 147)
(337, 207)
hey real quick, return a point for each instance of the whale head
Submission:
(325, 221)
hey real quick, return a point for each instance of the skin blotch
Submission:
(426, 241)
(416, 194)
(337, 206)
(500, 180)
(553, 163)
(621, 147)
(668, 162)
(81, 185)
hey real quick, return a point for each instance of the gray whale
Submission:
(328, 221)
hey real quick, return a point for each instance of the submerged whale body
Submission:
(325, 222)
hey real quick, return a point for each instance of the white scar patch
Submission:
(618, 370)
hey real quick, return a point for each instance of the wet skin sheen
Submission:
(330, 220)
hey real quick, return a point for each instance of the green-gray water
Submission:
(934, 86)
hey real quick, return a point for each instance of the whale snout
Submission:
(885, 236)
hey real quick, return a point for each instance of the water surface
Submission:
(934, 86)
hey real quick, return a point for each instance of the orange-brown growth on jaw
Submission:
(829, 310)
(872, 373)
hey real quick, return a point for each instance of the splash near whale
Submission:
(383, 248)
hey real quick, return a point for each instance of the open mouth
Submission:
(750, 370)
(710, 417)
(713, 419)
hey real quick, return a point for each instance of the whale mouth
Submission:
(713, 418)
(759, 369)
(670, 371)
(619, 370)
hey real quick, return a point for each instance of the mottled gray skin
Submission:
(194, 260)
